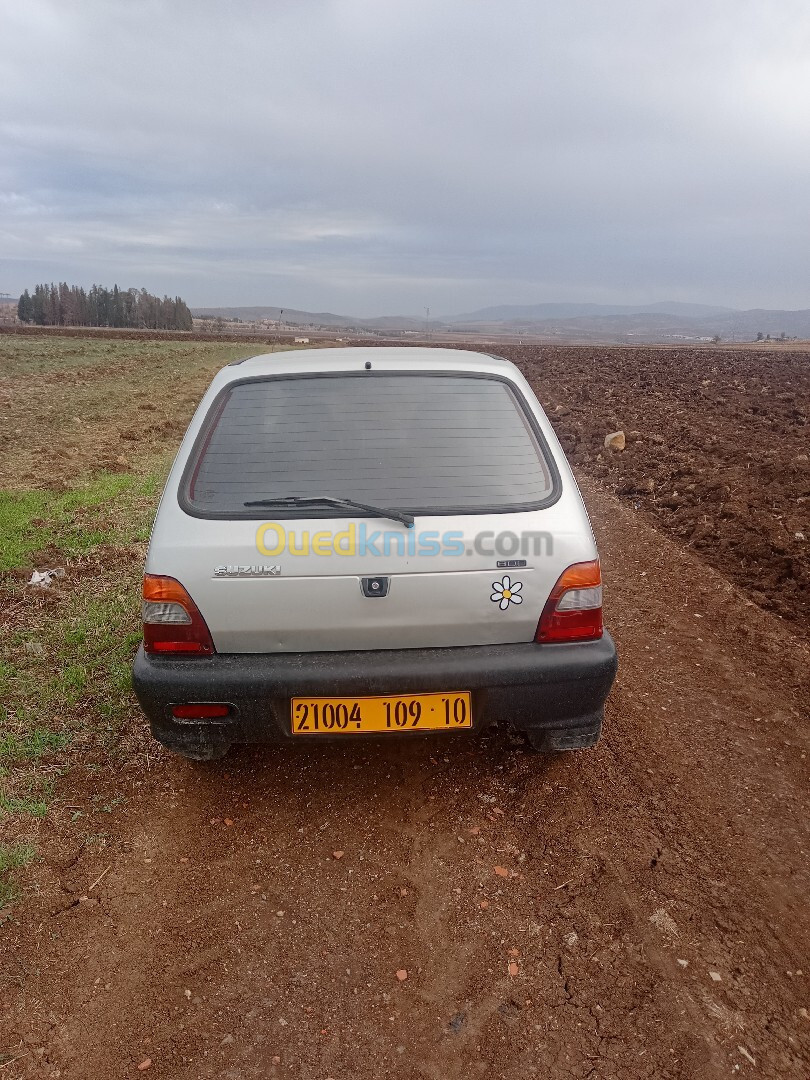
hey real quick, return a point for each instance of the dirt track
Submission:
(226, 940)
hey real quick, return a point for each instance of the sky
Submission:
(374, 157)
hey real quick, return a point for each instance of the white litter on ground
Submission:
(43, 579)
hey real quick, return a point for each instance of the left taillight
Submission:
(573, 611)
(172, 622)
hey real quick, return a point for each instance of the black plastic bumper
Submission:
(555, 693)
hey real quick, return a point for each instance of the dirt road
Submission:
(649, 917)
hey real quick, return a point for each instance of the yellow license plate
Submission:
(412, 712)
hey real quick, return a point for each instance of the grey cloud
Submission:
(380, 157)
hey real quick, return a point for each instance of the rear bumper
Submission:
(555, 693)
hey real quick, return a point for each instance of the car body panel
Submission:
(281, 602)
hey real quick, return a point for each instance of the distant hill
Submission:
(257, 314)
(666, 322)
(539, 312)
(650, 326)
(763, 320)
(292, 317)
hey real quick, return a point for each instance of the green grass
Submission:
(65, 668)
(12, 857)
(96, 423)
(31, 745)
(67, 673)
(78, 404)
(85, 681)
(35, 355)
(32, 800)
(75, 522)
(15, 856)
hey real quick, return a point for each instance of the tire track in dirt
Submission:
(446, 986)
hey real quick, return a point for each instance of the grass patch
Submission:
(74, 521)
(65, 670)
(30, 797)
(66, 654)
(80, 676)
(12, 857)
(29, 356)
(83, 404)
(28, 803)
(31, 745)
(73, 696)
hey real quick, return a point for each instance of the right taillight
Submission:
(574, 608)
(172, 623)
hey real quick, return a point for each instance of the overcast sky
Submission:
(380, 156)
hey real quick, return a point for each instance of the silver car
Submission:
(371, 541)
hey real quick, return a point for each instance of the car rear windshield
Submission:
(418, 442)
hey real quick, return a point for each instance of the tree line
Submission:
(71, 305)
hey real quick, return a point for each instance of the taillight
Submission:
(574, 609)
(200, 710)
(172, 622)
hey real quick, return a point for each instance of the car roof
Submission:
(391, 358)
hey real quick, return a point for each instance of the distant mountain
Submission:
(513, 313)
(669, 321)
(766, 321)
(676, 307)
(650, 326)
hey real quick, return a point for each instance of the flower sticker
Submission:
(506, 592)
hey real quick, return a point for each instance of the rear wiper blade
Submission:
(346, 504)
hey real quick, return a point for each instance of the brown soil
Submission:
(653, 921)
(717, 449)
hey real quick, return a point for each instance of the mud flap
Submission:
(193, 742)
(551, 740)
